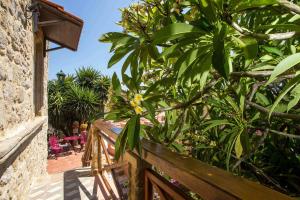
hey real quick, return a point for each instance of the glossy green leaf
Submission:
(112, 115)
(247, 4)
(208, 7)
(129, 82)
(262, 99)
(118, 55)
(215, 123)
(205, 66)
(295, 93)
(169, 51)
(174, 31)
(112, 36)
(289, 86)
(127, 63)
(186, 60)
(121, 143)
(232, 103)
(284, 66)
(249, 46)
(123, 42)
(133, 131)
(220, 56)
(153, 52)
(134, 65)
(285, 27)
(150, 109)
(116, 84)
(238, 146)
(273, 50)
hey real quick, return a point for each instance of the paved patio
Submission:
(67, 180)
(64, 162)
(72, 185)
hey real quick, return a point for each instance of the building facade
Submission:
(23, 91)
(23, 131)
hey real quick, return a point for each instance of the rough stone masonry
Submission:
(17, 99)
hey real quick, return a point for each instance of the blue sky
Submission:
(99, 16)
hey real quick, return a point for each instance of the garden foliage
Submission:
(226, 75)
(77, 98)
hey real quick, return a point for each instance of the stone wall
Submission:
(29, 165)
(17, 98)
(16, 64)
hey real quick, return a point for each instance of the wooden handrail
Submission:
(207, 181)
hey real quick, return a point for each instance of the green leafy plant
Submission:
(225, 74)
(77, 98)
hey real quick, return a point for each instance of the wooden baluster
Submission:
(105, 151)
(160, 192)
(99, 157)
(136, 169)
(96, 152)
(94, 155)
(86, 158)
(148, 188)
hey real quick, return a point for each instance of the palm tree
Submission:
(83, 103)
(102, 87)
(87, 77)
(80, 97)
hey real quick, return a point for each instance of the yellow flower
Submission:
(138, 110)
(213, 143)
(138, 98)
(133, 104)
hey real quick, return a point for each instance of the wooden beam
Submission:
(207, 181)
(49, 23)
(166, 186)
(38, 89)
(113, 166)
(106, 183)
(105, 151)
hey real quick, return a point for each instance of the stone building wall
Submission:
(16, 64)
(17, 98)
(29, 165)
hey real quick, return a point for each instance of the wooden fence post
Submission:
(136, 170)
(96, 152)
(86, 158)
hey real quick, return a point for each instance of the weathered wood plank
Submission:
(166, 186)
(38, 89)
(207, 181)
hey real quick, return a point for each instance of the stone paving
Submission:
(63, 163)
(67, 180)
(71, 185)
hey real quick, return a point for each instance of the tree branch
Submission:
(275, 114)
(290, 6)
(284, 134)
(244, 158)
(262, 36)
(258, 74)
(196, 97)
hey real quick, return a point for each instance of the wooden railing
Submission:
(192, 175)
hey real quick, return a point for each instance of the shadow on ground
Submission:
(80, 184)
